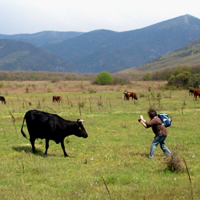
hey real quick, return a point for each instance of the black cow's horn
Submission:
(80, 120)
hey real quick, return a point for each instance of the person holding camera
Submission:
(159, 130)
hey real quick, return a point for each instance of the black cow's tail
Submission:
(22, 128)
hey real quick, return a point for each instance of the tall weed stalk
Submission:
(188, 173)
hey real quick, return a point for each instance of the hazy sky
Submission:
(31, 16)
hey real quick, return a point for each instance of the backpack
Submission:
(165, 119)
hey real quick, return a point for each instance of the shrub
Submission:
(91, 90)
(49, 90)
(120, 80)
(174, 162)
(147, 76)
(54, 80)
(81, 104)
(122, 83)
(27, 90)
(103, 78)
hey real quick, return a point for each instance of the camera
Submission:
(138, 120)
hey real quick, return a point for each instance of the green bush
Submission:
(147, 76)
(122, 83)
(1, 85)
(103, 78)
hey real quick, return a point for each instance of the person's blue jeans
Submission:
(159, 140)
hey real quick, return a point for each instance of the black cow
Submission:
(51, 127)
(2, 99)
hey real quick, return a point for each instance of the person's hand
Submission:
(141, 118)
(142, 122)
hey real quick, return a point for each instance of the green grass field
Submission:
(112, 162)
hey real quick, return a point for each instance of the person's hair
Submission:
(152, 113)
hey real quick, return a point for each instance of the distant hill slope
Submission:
(105, 50)
(17, 56)
(186, 56)
(40, 38)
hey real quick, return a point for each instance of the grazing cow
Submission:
(2, 99)
(51, 127)
(57, 99)
(191, 91)
(133, 95)
(127, 95)
(196, 94)
(54, 98)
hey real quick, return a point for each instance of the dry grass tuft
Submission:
(174, 162)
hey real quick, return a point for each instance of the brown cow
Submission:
(127, 95)
(191, 91)
(57, 99)
(54, 98)
(133, 95)
(2, 99)
(196, 94)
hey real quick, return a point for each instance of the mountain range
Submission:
(98, 50)
(189, 55)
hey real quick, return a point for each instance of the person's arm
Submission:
(143, 121)
(154, 121)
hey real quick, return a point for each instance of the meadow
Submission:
(112, 162)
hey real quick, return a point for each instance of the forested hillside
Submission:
(186, 56)
(100, 50)
(92, 53)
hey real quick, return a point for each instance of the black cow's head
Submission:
(81, 130)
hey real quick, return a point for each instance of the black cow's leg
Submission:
(32, 140)
(47, 146)
(63, 147)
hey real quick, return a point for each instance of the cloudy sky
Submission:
(31, 16)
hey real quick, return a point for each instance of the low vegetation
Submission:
(179, 77)
(112, 162)
(43, 75)
(118, 78)
(105, 78)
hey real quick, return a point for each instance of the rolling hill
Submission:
(43, 37)
(17, 56)
(189, 55)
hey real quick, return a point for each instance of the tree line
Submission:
(178, 77)
(42, 75)
(101, 78)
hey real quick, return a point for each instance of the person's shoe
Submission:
(150, 157)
